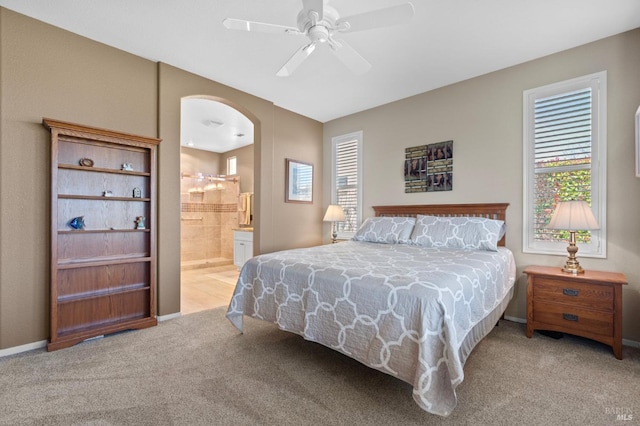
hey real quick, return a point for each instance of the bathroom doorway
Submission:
(216, 162)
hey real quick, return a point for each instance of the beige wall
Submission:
(483, 116)
(206, 220)
(51, 73)
(48, 72)
(244, 170)
(199, 161)
(304, 224)
(244, 163)
(277, 134)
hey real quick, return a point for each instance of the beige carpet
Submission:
(198, 370)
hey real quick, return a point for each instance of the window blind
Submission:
(563, 128)
(346, 180)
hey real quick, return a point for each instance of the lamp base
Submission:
(570, 269)
(572, 266)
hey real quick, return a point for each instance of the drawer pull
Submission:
(570, 317)
(569, 292)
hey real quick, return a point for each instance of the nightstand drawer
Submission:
(592, 296)
(573, 318)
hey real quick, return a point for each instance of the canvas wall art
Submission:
(429, 168)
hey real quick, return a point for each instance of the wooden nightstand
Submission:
(587, 305)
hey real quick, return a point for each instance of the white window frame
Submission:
(598, 83)
(231, 160)
(335, 141)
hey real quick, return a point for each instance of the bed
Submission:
(411, 295)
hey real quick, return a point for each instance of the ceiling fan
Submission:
(320, 22)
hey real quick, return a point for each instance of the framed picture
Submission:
(298, 182)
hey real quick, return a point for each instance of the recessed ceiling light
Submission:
(212, 123)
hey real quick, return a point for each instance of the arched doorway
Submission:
(216, 162)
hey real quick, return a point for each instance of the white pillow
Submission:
(387, 230)
(476, 233)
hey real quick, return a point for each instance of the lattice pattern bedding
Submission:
(412, 312)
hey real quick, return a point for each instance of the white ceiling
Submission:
(447, 41)
(213, 126)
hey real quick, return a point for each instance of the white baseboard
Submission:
(515, 319)
(169, 317)
(43, 343)
(23, 348)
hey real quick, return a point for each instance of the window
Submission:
(232, 168)
(564, 142)
(346, 180)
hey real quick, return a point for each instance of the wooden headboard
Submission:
(496, 211)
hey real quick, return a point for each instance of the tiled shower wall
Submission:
(207, 221)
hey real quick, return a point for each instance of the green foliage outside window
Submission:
(552, 187)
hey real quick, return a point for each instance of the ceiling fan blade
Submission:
(313, 6)
(348, 55)
(242, 25)
(294, 61)
(386, 17)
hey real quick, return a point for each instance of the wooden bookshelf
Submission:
(102, 275)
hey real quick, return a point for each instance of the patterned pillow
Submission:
(387, 230)
(476, 233)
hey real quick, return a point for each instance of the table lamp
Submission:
(573, 216)
(334, 214)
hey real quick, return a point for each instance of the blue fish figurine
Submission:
(77, 222)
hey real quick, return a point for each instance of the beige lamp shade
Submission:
(573, 216)
(334, 214)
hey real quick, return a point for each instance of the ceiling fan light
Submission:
(320, 22)
(318, 33)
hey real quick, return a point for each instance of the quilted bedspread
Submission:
(412, 312)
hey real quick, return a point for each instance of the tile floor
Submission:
(207, 288)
